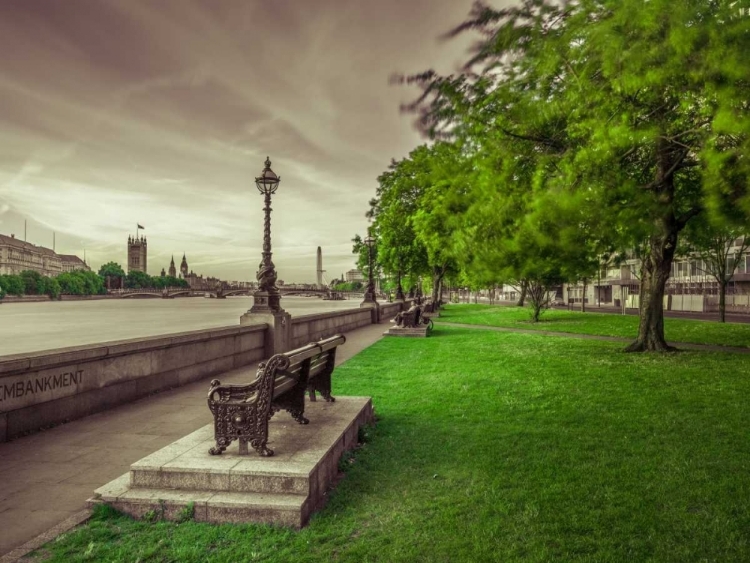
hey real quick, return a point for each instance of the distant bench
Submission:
(242, 412)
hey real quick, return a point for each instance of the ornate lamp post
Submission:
(267, 298)
(399, 290)
(370, 290)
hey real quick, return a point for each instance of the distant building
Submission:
(184, 266)
(172, 269)
(137, 254)
(17, 256)
(355, 276)
(71, 262)
(199, 282)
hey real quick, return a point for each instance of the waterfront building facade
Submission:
(137, 254)
(355, 276)
(71, 262)
(690, 286)
(17, 255)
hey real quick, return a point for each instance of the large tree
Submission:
(639, 109)
(397, 198)
(111, 269)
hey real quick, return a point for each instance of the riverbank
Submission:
(534, 448)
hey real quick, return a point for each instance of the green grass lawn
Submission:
(604, 324)
(494, 446)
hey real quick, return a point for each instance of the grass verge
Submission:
(602, 324)
(506, 447)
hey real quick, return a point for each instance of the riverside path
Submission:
(46, 478)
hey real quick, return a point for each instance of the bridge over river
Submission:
(224, 292)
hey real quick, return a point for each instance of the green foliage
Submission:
(506, 447)
(33, 282)
(349, 286)
(111, 269)
(138, 280)
(160, 282)
(13, 285)
(141, 280)
(590, 127)
(187, 513)
(81, 282)
(51, 288)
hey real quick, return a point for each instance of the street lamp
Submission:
(399, 289)
(267, 298)
(370, 291)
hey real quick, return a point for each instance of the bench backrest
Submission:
(317, 357)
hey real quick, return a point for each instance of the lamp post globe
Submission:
(267, 298)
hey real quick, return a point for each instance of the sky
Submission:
(118, 112)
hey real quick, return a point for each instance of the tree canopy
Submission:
(111, 269)
(581, 129)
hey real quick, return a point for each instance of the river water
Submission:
(31, 327)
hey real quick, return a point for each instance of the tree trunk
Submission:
(722, 301)
(661, 248)
(437, 277)
(524, 289)
(583, 298)
(656, 270)
(536, 312)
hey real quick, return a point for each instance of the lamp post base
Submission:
(278, 333)
(266, 302)
(374, 307)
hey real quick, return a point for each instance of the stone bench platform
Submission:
(284, 489)
(415, 332)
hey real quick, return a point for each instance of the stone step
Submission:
(283, 489)
(208, 506)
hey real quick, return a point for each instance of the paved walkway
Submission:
(47, 477)
(683, 345)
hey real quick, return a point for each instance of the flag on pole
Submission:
(140, 226)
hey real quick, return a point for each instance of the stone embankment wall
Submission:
(308, 328)
(45, 388)
(54, 386)
(389, 310)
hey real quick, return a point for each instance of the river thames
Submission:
(31, 327)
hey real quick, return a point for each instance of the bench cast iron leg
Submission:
(259, 445)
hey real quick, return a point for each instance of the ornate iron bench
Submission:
(242, 412)
(413, 318)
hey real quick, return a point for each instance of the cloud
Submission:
(163, 113)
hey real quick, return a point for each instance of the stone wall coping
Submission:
(327, 315)
(33, 361)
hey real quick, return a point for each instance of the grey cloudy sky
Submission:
(162, 112)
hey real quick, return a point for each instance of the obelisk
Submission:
(320, 268)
